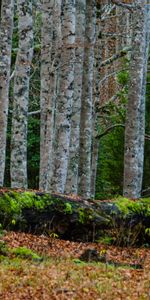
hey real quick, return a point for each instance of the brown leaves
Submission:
(64, 276)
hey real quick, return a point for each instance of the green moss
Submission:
(68, 208)
(24, 252)
(127, 206)
(85, 215)
(12, 204)
(82, 216)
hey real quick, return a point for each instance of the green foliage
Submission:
(33, 151)
(24, 252)
(68, 208)
(82, 215)
(12, 204)
(107, 240)
(123, 77)
(127, 206)
(109, 181)
(3, 248)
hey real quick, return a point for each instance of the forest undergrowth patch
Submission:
(61, 274)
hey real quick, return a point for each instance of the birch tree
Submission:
(21, 93)
(135, 121)
(87, 102)
(50, 55)
(65, 98)
(72, 174)
(6, 29)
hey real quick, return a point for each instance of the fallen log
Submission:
(127, 222)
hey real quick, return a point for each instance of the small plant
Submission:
(107, 240)
(147, 231)
(54, 235)
(24, 252)
(3, 248)
(68, 208)
(81, 216)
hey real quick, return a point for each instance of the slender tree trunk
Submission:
(21, 94)
(6, 29)
(135, 121)
(51, 42)
(72, 175)
(87, 102)
(65, 98)
(96, 99)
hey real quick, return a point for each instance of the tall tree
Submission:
(72, 174)
(50, 56)
(6, 29)
(21, 95)
(135, 121)
(87, 102)
(65, 98)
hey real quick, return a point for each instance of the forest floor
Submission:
(62, 275)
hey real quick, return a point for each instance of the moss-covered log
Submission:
(122, 221)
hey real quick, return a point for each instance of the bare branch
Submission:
(116, 56)
(30, 113)
(124, 5)
(36, 112)
(99, 136)
(12, 75)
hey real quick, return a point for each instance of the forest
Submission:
(73, 104)
(74, 149)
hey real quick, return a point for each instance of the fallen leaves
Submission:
(61, 277)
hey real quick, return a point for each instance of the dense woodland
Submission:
(74, 96)
(74, 149)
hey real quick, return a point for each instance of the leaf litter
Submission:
(62, 275)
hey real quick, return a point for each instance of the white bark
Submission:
(87, 102)
(65, 98)
(21, 94)
(6, 29)
(135, 121)
(72, 175)
(51, 43)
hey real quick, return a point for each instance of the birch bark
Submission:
(65, 98)
(21, 94)
(135, 121)
(72, 175)
(51, 43)
(87, 102)
(6, 29)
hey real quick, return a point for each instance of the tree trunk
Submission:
(21, 94)
(51, 43)
(65, 98)
(6, 29)
(96, 99)
(87, 103)
(72, 175)
(135, 121)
